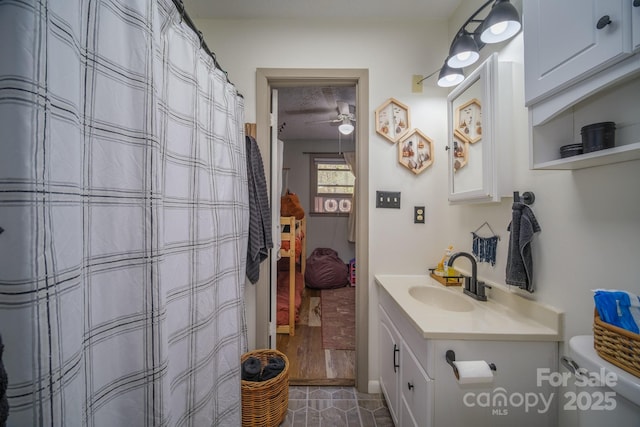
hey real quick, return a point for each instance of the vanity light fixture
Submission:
(450, 76)
(464, 51)
(501, 23)
(345, 127)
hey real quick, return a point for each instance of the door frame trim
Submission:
(265, 78)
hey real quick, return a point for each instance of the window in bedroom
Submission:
(331, 185)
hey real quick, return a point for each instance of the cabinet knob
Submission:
(410, 386)
(446, 147)
(603, 22)
(636, 3)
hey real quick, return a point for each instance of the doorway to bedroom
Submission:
(313, 169)
(316, 326)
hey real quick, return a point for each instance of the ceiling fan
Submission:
(346, 115)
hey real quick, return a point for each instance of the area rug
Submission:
(338, 318)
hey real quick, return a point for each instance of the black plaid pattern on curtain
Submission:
(124, 205)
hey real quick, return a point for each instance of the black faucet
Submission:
(472, 287)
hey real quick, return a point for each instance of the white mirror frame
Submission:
(486, 73)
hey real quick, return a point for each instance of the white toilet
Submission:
(593, 403)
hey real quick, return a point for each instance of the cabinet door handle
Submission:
(636, 3)
(410, 386)
(603, 22)
(395, 363)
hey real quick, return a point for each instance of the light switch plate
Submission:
(388, 199)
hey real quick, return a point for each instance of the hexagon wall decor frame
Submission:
(415, 151)
(393, 120)
(460, 151)
(468, 120)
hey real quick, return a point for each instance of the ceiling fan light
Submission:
(346, 127)
(450, 76)
(463, 52)
(502, 23)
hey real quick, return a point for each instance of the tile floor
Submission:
(311, 406)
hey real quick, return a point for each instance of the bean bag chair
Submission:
(325, 270)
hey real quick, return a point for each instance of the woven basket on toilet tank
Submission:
(617, 345)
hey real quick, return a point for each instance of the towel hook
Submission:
(527, 197)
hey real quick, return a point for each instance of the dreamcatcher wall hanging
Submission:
(484, 248)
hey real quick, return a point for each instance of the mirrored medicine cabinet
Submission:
(482, 111)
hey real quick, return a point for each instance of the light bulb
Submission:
(499, 27)
(346, 127)
(463, 56)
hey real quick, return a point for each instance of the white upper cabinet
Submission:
(582, 66)
(566, 41)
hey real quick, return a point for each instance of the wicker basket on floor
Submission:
(265, 403)
(617, 345)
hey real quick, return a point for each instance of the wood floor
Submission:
(309, 363)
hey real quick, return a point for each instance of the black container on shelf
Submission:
(570, 150)
(598, 136)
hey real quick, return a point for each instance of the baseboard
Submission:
(373, 387)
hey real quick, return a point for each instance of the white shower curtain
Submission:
(123, 199)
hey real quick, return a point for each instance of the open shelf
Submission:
(596, 158)
(618, 103)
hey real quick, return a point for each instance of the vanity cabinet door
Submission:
(635, 24)
(417, 392)
(562, 41)
(389, 354)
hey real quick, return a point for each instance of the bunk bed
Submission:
(291, 267)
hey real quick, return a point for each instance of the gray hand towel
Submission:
(519, 261)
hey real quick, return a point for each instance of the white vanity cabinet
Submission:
(571, 39)
(577, 74)
(421, 389)
(405, 384)
(389, 346)
(635, 25)
(486, 114)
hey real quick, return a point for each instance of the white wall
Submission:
(590, 218)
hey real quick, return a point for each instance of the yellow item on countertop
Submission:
(441, 270)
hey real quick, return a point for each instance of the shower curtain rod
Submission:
(203, 45)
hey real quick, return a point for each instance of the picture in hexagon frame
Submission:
(392, 120)
(460, 151)
(468, 120)
(415, 151)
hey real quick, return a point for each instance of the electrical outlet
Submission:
(388, 199)
(418, 214)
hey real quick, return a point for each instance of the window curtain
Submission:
(125, 214)
(350, 158)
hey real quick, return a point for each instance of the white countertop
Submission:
(504, 317)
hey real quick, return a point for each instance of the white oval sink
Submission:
(440, 298)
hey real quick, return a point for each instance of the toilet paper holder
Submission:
(450, 355)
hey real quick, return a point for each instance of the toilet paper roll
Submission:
(474, 372)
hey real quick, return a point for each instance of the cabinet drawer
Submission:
(417, 391)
